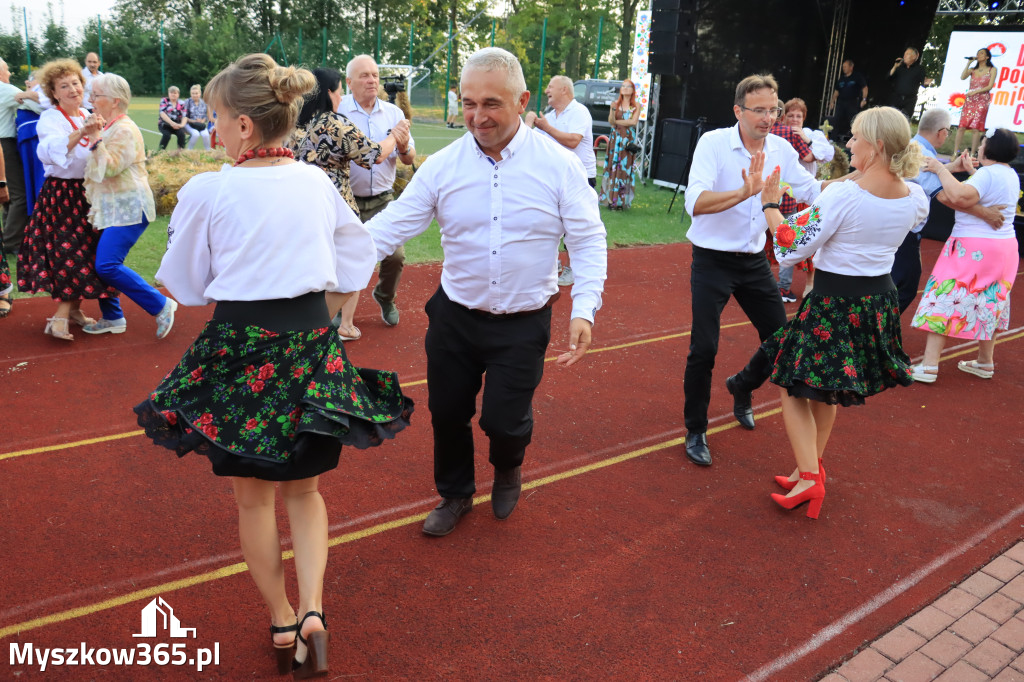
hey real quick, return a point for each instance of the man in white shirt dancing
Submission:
(728, 237)
(503, 197)
(374, 188)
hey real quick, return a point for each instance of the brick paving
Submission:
(973, 633)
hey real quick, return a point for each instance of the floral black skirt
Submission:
(840, 349)
(272, 405)
(58, 251)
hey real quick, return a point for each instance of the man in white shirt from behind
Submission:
(570, 125)
(374, 187)
(503, 196)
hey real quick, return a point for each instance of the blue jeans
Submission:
(785, 276)
(115, 242)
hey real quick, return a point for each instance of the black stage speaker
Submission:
(673, 37)
(677, 140)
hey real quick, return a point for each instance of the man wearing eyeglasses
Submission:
(728, 237)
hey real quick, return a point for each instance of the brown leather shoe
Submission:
(507, 486)
(446, 515)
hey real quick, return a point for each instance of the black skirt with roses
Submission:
(58, 251)
(844, 344)
(274, 405)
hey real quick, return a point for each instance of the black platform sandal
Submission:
(285, 653)
(315, 664)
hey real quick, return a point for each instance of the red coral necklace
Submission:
(264, 153)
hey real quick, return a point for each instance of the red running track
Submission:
(622, 561)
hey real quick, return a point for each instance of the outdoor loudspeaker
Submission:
(678, 138)
(673, 37)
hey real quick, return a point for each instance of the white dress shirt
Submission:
(717, 163)
(53, 130)
(577, 120)
(853, 231)
(89, 76)
(256, 234)
(375, 125)
(501, 223)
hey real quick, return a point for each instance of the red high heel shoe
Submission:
(815, 495)
(784, 481)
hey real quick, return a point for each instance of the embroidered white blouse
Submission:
(853, 231)
(116, 181)
(256, 234)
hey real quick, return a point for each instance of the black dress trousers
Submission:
(462, 346)
(714, 277)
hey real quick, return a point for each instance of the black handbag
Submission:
(196, 126)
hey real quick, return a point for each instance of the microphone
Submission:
(970, 56)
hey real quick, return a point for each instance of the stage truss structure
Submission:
(980, 7)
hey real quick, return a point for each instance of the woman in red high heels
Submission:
(844, 344)
(266, 392)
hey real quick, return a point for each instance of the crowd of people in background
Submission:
(314, 173)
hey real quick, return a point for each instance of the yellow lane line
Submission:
(345, 538)
(420, 382)
(240, 567)
(75, 444)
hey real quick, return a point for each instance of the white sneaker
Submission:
(105, 326)
(165, 319)
(565, 277)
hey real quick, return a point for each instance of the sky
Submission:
(76, 13)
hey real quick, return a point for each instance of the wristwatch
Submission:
(771, 204)
(3, 183)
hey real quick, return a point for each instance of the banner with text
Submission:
(1007, 96)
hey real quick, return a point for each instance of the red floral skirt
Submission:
(276, 406)
(58, 253)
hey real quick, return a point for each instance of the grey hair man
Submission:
(374, 187)
(932, 132)
(503, 195)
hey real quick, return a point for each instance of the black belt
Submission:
(738, 254)
(509, 316)
(375, 196)
(851, 286)
(307, 311)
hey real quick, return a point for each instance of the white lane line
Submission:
(839, 626)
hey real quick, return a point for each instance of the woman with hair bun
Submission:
(844, 344)
(266, 392)
(968, 292)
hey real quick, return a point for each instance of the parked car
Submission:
(597, 96)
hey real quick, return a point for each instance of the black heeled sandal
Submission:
(285, 653)
(315, 664)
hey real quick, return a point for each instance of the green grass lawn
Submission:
(646, 223)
